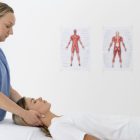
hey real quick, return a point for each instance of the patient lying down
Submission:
(80, 126)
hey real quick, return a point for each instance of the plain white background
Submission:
(33, 53)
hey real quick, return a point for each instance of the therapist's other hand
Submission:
(32, 118)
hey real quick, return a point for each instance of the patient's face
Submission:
(39, 105)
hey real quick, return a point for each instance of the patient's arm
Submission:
(89, 137)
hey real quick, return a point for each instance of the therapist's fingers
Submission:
(40, 123)
(33, 118)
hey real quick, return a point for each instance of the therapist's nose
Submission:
(11, 31)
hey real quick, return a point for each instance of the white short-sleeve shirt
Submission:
(75, 126)
(63, 129)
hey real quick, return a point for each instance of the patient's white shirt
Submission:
(75, 126)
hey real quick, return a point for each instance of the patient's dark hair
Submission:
(20, 121)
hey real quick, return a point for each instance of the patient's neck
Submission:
(47, 118)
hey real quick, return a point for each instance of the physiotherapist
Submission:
(8, 95)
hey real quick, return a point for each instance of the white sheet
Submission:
(10, 131)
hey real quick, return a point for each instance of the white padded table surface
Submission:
(10, 131)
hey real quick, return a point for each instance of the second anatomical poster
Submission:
(117, 48)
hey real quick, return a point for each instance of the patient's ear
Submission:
(42, 116)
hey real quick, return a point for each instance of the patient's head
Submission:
(39, 105)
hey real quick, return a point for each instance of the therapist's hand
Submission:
(32, 118)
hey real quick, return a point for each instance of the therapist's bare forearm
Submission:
(8, 105)
(14, 95)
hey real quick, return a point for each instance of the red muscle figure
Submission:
(117, 40)
(75, 39)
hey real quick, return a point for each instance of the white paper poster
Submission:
(75, 49)
(117, 48)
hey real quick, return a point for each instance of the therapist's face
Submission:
(38, 104)
(6, 25)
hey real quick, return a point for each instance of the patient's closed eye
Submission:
(33, 100)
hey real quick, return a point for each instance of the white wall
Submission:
(34, 55)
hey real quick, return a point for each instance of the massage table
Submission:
(11, 131)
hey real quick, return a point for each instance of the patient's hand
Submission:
(89, 137)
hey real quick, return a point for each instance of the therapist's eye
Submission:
(7, 26)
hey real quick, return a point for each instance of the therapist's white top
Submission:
(75, 126)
